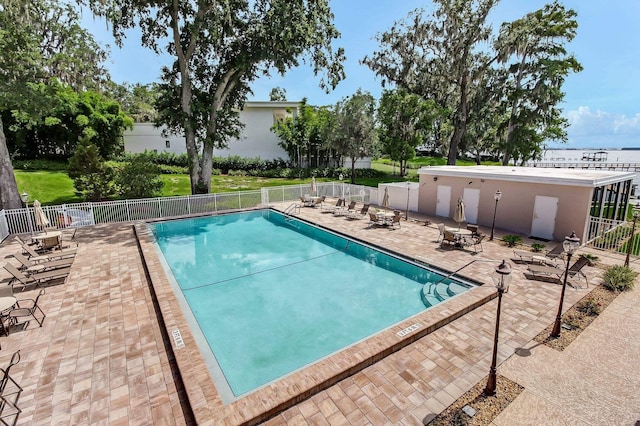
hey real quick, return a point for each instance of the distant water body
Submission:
(608, 156)
(575, 155)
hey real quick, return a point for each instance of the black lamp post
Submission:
(636, 209)
(501, 278)
(406, 214)
(496, 197)
(25, 199)
(570, 245)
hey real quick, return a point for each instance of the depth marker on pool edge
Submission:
(177, 339)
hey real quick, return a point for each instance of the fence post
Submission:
(159, 207)
(126, 205)
(239, 200)
(189, 204)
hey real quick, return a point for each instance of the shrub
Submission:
(592, 258)
(619, 278)
(589, 307)
(512, 240)
(92, 177)
(139, 178)
(40, 165)
(537, 247)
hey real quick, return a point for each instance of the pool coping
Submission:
(282, 394)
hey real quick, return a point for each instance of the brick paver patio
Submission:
(102, 355)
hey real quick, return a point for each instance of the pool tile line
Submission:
(276, 397)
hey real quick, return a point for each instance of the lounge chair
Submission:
(341, 211)
(318, 201)
(538, 271)
(530, 256)
(329, 208)
(359, 214)
(36, 278)
(34, 256)
(42, 266)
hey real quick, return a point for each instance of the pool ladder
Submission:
(289, 211)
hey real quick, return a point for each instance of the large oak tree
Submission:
(220, 47)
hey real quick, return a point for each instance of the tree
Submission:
(40, 39)
(66, 115)
(405, 122)
(139, 178)
(278, 94)
(136, 100)
(220, 48)
(92, 178)
(533, 50)
(355, 133)
(301, 135)
(439, 57)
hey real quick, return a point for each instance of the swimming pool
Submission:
(271, 295)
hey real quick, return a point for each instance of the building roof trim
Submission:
(549, 176)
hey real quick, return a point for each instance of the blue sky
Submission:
(601, 102)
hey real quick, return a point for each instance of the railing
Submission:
(4, 226)
(20, 221)
(612, 235)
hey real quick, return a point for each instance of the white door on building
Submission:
(443, 203)
(544, 217)
(471, 197)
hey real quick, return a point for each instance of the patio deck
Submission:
(103, 355)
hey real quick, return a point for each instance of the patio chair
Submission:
(395, 221)
(375, 220)
(475, 241)
(42, 266)
(72, 239)
(441, 229)
(538, 271)
(10, 392)
(359, 214)
(473, 229)
(51, 243)
(27, 309)
(329, 208)
(449, 239)
(36, 278)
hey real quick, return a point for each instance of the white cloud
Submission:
(602, 129)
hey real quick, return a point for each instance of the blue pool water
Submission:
(271, 296)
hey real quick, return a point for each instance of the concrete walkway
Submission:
(595, 381)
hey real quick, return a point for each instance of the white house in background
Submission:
(256, 140)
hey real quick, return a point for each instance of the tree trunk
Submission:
(353, 169)
(460, 125)
(9, 195)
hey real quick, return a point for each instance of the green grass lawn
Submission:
(55, 187)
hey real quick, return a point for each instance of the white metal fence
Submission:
(612, 235)
(20, 221)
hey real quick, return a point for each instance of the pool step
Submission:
(455, 288)
(433, 294)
